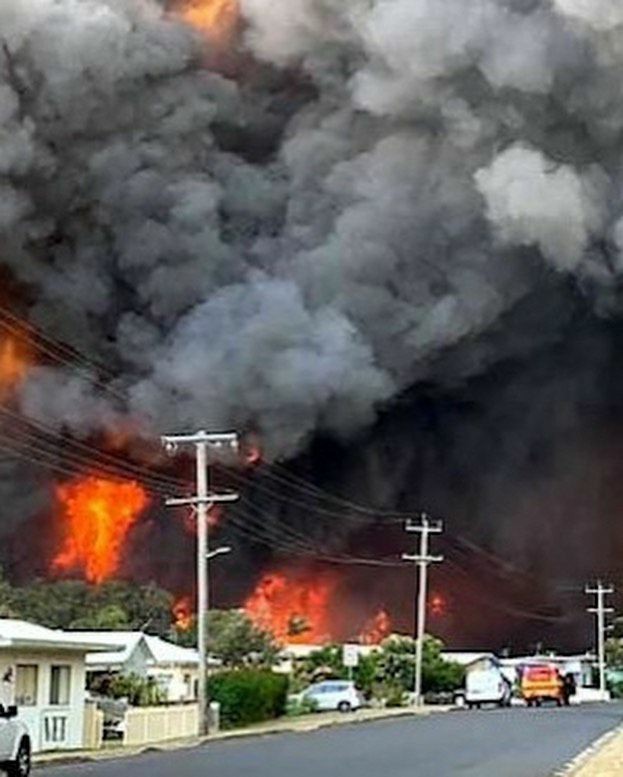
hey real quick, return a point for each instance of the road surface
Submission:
(517, 742)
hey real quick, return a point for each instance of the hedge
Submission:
(248, 695)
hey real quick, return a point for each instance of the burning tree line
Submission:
(95, 515)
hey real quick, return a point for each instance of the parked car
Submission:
(487, 686)
(15, 744)
(542, 682)
(334, 695)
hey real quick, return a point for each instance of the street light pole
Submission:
(422, 560)
(218, 552)
(202, 502)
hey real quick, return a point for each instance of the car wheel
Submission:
(21, 766)
(344, 706)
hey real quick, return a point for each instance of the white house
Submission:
(175, 669)
(294, 653)
(42, 671)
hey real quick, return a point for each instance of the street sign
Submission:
(350, 655)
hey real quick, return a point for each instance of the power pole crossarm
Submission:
(424, 528)
(601, 591)
(201, 502)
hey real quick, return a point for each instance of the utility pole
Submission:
(600, 611)
(204, 499)
(425, 528)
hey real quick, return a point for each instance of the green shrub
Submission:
(301, 706)
(248, 696)
(395, 696)
(139, 691)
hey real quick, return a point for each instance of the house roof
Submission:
(121, 645)
(466, 657)
(167, 653)
(549, 659)
(18, 633)
(124, 643)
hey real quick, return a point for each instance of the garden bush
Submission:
(248, 696)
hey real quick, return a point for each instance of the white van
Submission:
(487, 686)
(15, 745)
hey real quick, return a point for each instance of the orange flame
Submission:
(98, 513)
(216, 18)
(292, 608)
(376, 629)
(251, 450)
(437, 605)
(182, 612)
(15, 360)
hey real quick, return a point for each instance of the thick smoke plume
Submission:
(290, 232)
(376, 188)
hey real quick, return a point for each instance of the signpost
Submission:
(350, 658)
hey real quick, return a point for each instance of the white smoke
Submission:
(600, 14)
(290, 248)
(532, 201)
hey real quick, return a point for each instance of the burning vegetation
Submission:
(183, 613)
(294, 608)
(15, 361)
(413, 200)
(303, 607)
(96, 516)
(217, 19)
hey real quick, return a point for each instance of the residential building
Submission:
(42, 671)
(175, 669)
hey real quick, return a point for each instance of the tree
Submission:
(614, 652)
(74, 604)
(112, 617)
(6, 606)
(236, 641)
(328, 663)
(396, 667)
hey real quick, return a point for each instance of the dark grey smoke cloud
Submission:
(358, 210)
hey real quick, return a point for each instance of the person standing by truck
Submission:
(568, 688)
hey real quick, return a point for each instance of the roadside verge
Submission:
(604, 758)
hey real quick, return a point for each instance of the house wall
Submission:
(52, 727)
(178, 682)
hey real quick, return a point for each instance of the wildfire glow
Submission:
(437, 605)
(376, 629)
(182, 612)
(216, 18)
(294, 608)
(14, 363)
(97, 514)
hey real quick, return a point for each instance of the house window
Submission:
(60, 685)
(26, 683)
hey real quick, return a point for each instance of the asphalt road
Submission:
(488, 743)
